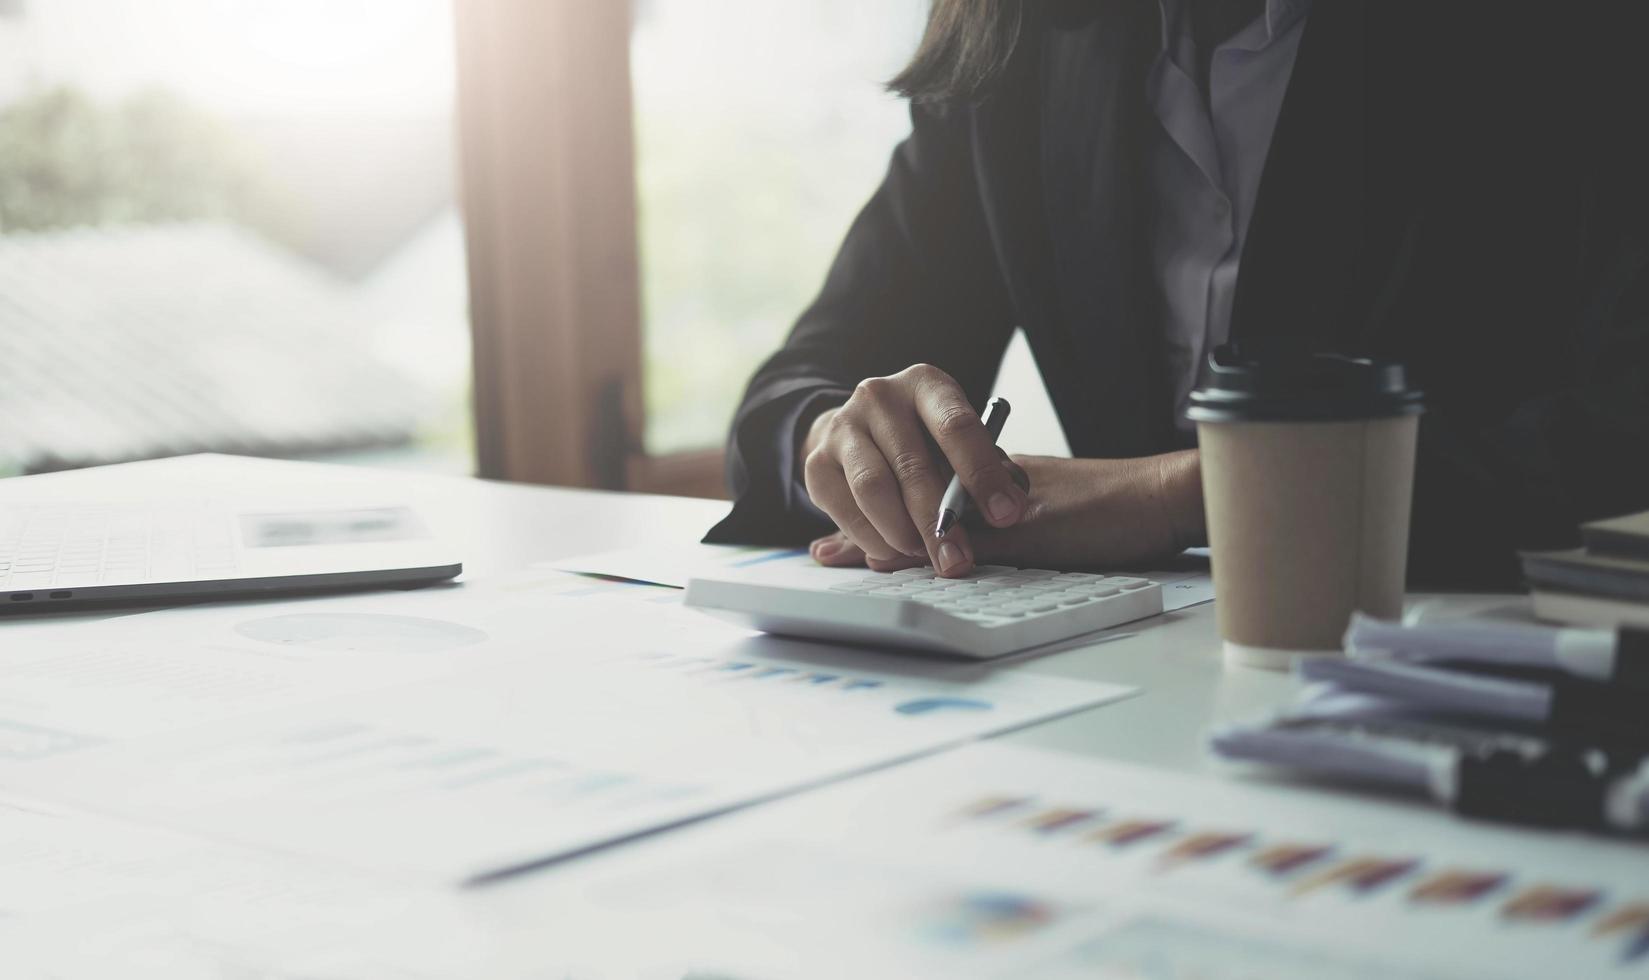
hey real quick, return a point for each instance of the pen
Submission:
(955, 501)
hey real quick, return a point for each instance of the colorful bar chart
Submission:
(1303, 871)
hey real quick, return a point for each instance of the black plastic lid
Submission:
(1251, 384)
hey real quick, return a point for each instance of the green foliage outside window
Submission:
(66, 161)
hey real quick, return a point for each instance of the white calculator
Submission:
(995, 610)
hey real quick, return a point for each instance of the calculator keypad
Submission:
(995, 594)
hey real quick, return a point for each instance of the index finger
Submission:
(972, 453)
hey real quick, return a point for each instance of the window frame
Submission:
(548, 189)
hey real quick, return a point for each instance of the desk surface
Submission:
(1174, 659)
(496, 527)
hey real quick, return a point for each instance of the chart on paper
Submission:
(993, 861)
(504, 766)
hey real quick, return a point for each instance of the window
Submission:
(761, 129)
(229, 225)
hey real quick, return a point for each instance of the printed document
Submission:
(462, 733)
(997, 861)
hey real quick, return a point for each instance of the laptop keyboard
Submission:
(48, 545)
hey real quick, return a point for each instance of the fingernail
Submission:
(826, 549)
(950, 556)
(1002, 507)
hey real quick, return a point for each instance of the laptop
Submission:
(61, 555)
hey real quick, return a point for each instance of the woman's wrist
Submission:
(1179, 490)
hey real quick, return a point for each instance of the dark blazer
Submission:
(1461, 185)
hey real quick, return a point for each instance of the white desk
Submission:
(499, 527)
(1175, 659)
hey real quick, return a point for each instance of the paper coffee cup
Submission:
(1308, 477)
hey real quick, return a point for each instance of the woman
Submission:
(1460, 186)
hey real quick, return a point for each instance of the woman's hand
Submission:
(878, 466)
(1083, 513)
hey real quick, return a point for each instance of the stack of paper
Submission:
(1605, 583)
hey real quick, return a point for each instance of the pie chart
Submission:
(361, 632)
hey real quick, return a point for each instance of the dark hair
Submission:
(966, 45)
